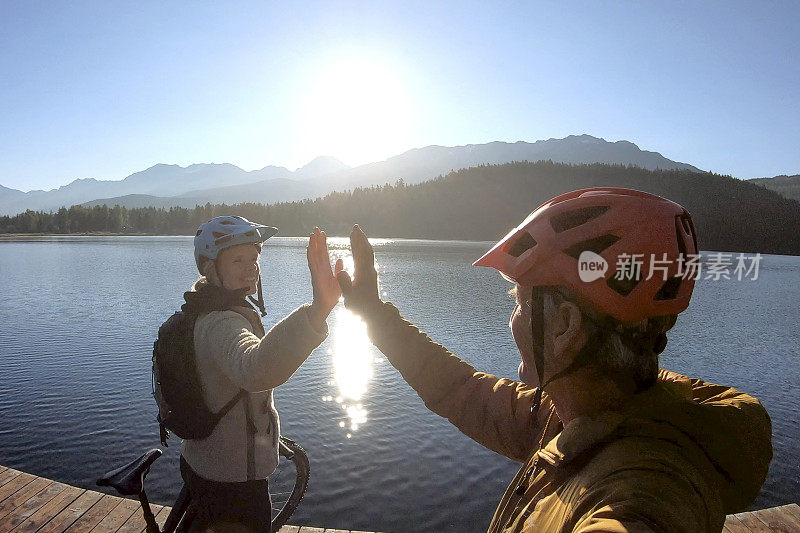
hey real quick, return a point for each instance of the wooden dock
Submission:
(33, 504)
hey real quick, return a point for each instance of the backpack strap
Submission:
(251, 444)
(228, 406)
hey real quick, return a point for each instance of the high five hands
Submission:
(323, 281)
(360, 293)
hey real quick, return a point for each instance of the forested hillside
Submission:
(788, 186)
(480, 203)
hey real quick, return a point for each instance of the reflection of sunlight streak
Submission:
(352, 366)
(352, 362)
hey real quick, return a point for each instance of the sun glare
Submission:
(350, 354)
(352, 368)
(356, 110)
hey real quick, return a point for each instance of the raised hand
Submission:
(360, 293)
(323, 281)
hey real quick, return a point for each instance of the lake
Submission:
(78, 316)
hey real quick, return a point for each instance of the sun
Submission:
(356, 109)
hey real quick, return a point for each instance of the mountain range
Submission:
(171, 185)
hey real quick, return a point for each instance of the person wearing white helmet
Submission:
(239, 363)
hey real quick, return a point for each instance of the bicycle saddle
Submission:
(129, 479)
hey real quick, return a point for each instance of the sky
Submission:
(95, 89)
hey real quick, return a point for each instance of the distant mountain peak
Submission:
(320, 166)
(7, 190)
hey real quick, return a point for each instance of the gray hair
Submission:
(624, 352)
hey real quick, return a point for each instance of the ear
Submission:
(210, 272)
(568, 334)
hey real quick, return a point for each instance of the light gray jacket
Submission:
(233, 353)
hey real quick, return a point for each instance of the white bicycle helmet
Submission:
(226, 231)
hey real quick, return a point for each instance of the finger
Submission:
(310, 252)
(338, 267)
(344, 283)
(363, 255)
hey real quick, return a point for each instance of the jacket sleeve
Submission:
(492, 411)
(253, 363)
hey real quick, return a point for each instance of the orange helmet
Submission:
(604, 230)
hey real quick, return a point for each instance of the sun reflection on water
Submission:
(352, 369)
(350, 354)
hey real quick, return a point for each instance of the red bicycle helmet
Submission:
(609, 221)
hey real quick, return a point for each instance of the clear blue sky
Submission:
(103, 89)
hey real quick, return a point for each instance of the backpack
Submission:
(176, 383)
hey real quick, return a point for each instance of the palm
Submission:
(323, 280)
(360, 293)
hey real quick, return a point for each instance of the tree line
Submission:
(480, 203)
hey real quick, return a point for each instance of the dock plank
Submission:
(11, 503)
(136, 523)
(72, 512)
(118, 516)
(7, 475)
(21, 513)
(778, 519)
(15, 484)
(289, 529)
(751, 521)
(95, 514)
(792, 510)
(45, 513)
(162, 515)
(734, 525)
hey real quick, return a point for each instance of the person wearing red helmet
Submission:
(607, 442)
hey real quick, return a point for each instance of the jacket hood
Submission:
(713, 424)
(731, 428)
(205, 297)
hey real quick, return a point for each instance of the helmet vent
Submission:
(198, 232)
(684, 226)
(625, 285)
(229, 222)
(218, 234)
(576, 217)
(669, 290)
(524, 243)
(596, 245)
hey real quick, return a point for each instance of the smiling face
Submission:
(238, 267)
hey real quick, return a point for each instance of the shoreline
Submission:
(44, 237)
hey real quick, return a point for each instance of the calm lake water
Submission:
(78, 318)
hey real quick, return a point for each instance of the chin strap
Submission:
(260, 302)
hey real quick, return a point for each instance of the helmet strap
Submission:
(537, 331)
(260, 302)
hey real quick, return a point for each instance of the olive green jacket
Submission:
(677, 457)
